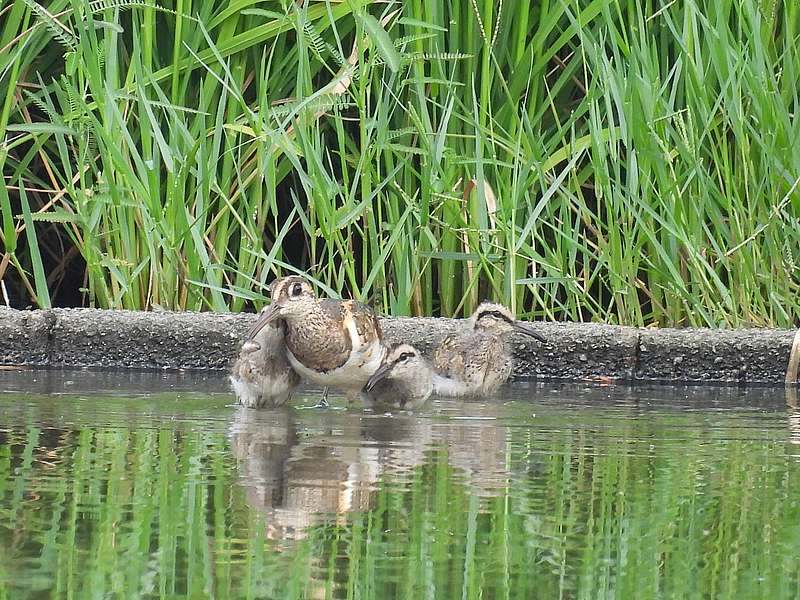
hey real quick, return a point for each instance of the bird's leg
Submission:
(323, 402)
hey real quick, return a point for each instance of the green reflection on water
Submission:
(180, 496)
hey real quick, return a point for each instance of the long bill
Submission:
(526, 329)
(265, 317)
(377, 376)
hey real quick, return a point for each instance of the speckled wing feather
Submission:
(448, 358)
(477, 361)
(321, 345)
(366, 321)
(487, 365)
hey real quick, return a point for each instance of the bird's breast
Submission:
(353, 373)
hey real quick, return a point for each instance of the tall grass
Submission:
(625, 162)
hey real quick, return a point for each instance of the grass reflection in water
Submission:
(179, 496)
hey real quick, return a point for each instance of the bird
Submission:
(261, 375)
(332, 343)
(405, 380)
(479, 359)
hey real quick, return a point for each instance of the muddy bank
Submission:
(166, 340)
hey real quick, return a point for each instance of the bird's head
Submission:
(402, 361)
(291, 297)
(496, 318)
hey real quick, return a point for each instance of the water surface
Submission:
(154, 486)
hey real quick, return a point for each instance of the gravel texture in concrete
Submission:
(167, 340)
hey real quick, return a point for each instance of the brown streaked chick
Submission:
(480, 358)
(262, 376)
(333, 343)
(404, 380)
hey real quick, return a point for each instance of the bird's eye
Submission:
(297, 289)
(405, 356)
(498, 315)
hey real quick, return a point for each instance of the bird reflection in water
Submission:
(298, 472)
(297, 478)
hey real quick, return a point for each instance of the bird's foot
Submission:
(323, 401)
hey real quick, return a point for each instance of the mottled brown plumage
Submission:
(335, 343)
(312, 344)
(367, 324)
(480, 357)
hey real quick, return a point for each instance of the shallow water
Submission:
(154, 486)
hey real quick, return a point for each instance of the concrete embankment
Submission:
(165, 340)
